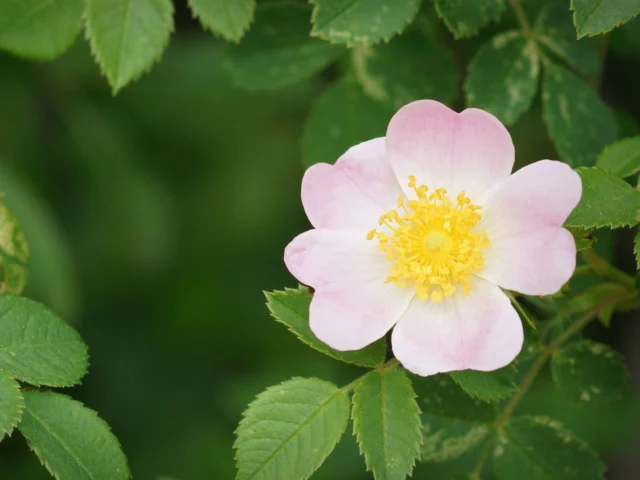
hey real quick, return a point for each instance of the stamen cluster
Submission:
(431, 242)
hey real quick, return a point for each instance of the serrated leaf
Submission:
(607, 201)
(361, 22)
(538, 448)
(465, 18)
(289, 430)
(592, 17)
(621, 158)
(128, 36)
(555, 31)
(453, 422)
(291, 308)
(487, 386)
(386, 422)
(228, 18)
(278, 50)
(583, 238)
(579, 122)
(37, 29)
(589, 372)
(70, 440)
(340, 118)
(14, 253)
(398, 73)
(11, 404)
(37, 346)
(503, 76)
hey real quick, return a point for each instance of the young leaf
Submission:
(465, 18)
(555, 31)
(579, 122)
(589, 372)
(538, 448)
(593, 17)
(487, 386)
(70, 439)
(39, 30)
(453, 422)
(228, 18)
(398, 73)
(503, 76)
(386, 421)
(291, 308)
(11, 404)
(14, 253)
(340, 118)
(621, 158)
(127, 36)
(606, 201)
(289, 429)
(361, 22)
(278, 51)
(38, 347)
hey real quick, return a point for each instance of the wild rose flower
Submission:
(422, 229)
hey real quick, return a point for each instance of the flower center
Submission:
(431, 242)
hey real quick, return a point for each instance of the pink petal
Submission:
(480, 331)
(530, 252)
(470, 151)
(352, 305)
(353, 193)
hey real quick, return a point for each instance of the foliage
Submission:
(353, 62)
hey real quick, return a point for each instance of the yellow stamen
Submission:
(431, 243)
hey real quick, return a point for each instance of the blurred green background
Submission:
(157, 218)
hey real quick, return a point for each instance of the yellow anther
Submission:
(431, 243)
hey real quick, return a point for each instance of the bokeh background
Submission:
(156, 220)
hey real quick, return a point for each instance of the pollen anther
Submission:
(431, 242)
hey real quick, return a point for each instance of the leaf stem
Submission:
(385, 366)
(601, 267)
(521, 17)
(532, 373)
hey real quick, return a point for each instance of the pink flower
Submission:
(422, 229)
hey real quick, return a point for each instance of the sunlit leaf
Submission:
(11, 404)
(621, 158)
(593, 17)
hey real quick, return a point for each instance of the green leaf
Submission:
(503, 76)
(621, 158)
(361, 22)
(386, 421)
(465, 18)
(128, 36)
(291, 308)
(607, 201)
(70, 439)
(37, 29)
(228, 18)
(398, 73)
(14, 253)
(278, 51)
(555, 32)
(538, 448)
(11, 404)
(340, 118)
(589, 372)
(593, 17)
(453, 422)
(289, 430)
(37, 347)
(597, 294)
(579, 122)
(487, 386)
(636, 249)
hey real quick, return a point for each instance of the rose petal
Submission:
(353, 193)
(480, 331)
(470, 151)
(352, 305)
(530, 252)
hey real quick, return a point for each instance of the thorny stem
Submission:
(532, 373)
(385, 366)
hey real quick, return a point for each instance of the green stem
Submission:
(532, 373)
(385, 366)
(601, 267)
(521, 17)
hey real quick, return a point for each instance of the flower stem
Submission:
(532, 373)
